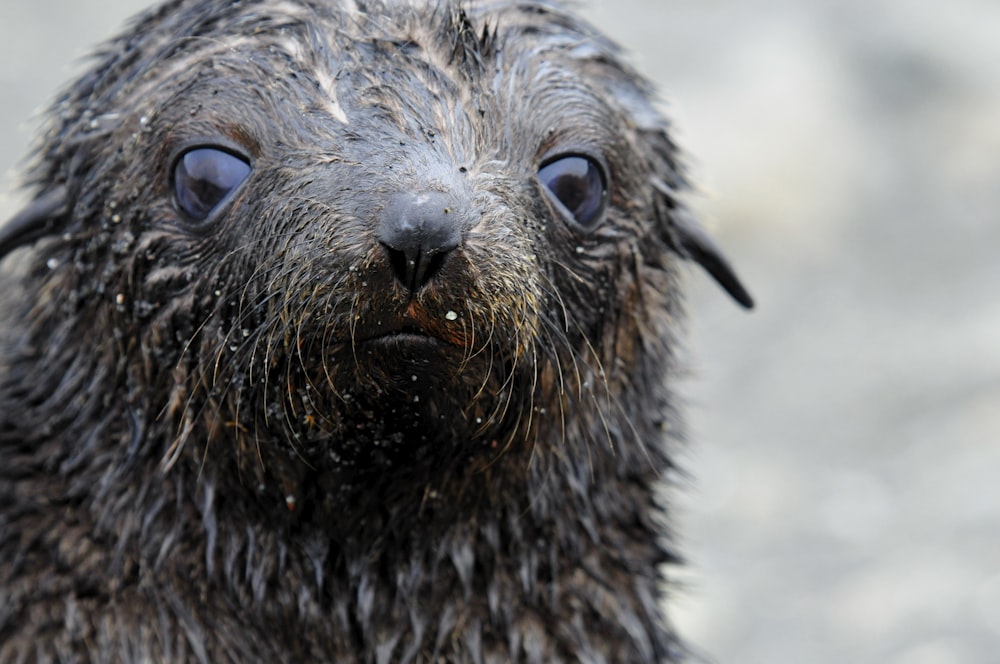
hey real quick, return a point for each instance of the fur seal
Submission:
(344, 330)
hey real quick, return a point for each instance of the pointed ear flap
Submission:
(690, 240)
(40, 218)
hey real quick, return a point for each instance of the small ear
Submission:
(691, 241)
(40, 218)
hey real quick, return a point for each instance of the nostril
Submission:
(418, 231)
(434, 264)
(401, 265)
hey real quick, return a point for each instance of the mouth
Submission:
(408, 336)
(413, 328)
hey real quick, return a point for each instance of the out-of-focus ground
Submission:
(845, 505)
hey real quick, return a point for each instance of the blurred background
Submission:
(845, 496)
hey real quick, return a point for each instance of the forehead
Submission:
(472, 42)
(411, 62)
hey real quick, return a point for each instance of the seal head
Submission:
(343, 330)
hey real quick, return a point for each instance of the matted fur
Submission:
(208, 450)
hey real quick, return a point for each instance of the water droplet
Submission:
(52, 263)
(451, 315)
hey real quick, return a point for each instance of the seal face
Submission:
(342, 331)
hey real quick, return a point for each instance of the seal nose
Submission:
(418, 230)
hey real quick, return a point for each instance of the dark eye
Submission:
(203, 177)
(578, 183)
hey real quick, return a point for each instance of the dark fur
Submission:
(201, 459)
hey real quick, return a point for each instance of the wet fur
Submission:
(203, 457)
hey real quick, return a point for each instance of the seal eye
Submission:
(578, 183)
(203, 177)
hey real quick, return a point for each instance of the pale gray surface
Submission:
(846, 506)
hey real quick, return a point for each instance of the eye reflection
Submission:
(578, 183)
(204, 177)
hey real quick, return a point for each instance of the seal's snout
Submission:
(419, 230)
